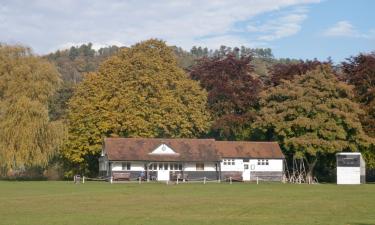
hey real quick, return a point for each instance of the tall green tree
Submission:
(312, 116)
(141, 92)
(27, 136)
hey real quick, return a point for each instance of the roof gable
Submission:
(163, 149)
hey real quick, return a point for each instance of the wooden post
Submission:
(147, 171)
(177, 179)
(111, 179)
(219, 164)
(83, 179)
(204, 180)
(139, 180)
(230, 180)
(257, 180)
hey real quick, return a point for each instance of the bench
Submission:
(179, 176)
(234, 175)
(121, 176)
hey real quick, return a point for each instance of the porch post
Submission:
(147, 172)
(183, 172)
(219, 167)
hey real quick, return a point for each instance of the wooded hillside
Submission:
(56, 109)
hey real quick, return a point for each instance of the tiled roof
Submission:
(208, 150)
(247, 149)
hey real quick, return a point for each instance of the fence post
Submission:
(230, 180)
(139, 180)
(83, 179)
(257, 180)
(111, 179)
(177, 180)
(204, 180)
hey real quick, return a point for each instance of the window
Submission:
(263, 162)
(179, 166)
(348, 161)
(165, 166)
(200, 166)
(246, 166)
(160, 166)
(229, 162)
(176, 166)
(125, 166)
(155, 166)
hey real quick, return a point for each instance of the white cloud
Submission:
(46, 25)
(346, 29)
(281, 27)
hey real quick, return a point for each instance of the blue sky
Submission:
(292, 28)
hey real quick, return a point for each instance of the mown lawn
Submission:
(155, 203)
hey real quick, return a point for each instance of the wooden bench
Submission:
(121, 176)
(235, 176)
(179, 176)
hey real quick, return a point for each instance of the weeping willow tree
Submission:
(27, 136)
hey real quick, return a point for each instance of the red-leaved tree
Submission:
(286, 71)
(360, 72)
(233, 93)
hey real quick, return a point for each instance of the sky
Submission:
(303, 29)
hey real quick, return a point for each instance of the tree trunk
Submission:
(310, 171)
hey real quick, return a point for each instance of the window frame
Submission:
(199, 166)
(125, 166)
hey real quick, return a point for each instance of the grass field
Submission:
(155, 203)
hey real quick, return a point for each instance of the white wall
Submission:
(273, 165)
(192, 167)
(348, 175)
(238, 166)
(139, 166)
(134, 166)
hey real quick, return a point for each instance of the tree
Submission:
(360, 72)
(141, 92)
(312, 116)
(286, 71)
(232, 94)
(27, 136)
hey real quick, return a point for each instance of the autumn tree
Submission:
(27, 136)
(232, 94)
(312, 116)
(287, 71)
(360, 72)
(140, 92)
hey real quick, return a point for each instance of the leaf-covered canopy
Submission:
(27, 137)
(360, 72)
(140, 92)
(233, 93)
(313, 115)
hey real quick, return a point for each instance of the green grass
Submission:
(47, 202)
